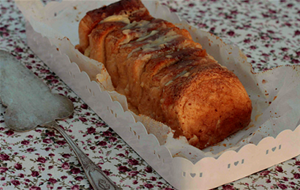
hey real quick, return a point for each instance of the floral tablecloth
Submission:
(267, 31)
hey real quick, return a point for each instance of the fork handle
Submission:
(97, 179)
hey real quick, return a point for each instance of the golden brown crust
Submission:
(134, 8)
(166, 75)
(209, 105)
(97, 39)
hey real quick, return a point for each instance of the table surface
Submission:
(268, 32)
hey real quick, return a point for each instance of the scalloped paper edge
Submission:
(179, 172)
(206, 173)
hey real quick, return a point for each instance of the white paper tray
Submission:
(180, 172)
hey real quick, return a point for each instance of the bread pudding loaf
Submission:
(164, 73)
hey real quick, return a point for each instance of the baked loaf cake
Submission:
(164, 73)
